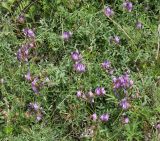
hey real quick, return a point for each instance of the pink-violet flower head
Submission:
(106, 65)
(79, 67)
(28, 33)
(35, 86)
(76, 56)
(19, 55)
(116, 39)
(22, 53)
(34, 106)
(66, 35)
(21, 18)
(94, 117)
(139, 25)
(124, 104)
(39, 118)
(122, 82)
(158, 126)
(98, 91)
(128, 5)
(28, 76)
(103, 91)
(79, 94)
(108, 11)
(104, 117)
(125, 120)
(90, 94)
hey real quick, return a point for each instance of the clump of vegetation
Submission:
(79, 70)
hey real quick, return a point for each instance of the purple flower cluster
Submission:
(87, 97)
(23, 52)
(108, 11)
(125, 119)
(79, 67)
(33, 106)
(100, 91)
(21, 18)
(115, 39)
(36, 82)
(106, 65)
(66, 35)
(124, 104)
(28, 33)
(35, 109)
(128, 5)
(158, 126)
(103, 117)
(77, 58)
(28, 76)
(94, 117)
(139, 25)
(35, 85)
(122, 82)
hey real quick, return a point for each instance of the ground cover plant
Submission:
(79, 70)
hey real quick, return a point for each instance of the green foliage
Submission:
(65, 116)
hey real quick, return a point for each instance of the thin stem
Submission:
(158, 42)
(121, 29)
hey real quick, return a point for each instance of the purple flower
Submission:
(139, 25)
(21, 18)
(76, 56)
(28, 33)
(116, 39)
(35, 85)
(104, 117)
(79, 94)
(39, 118)
(19, 55)
(90, 94)
(79, 67)
(124, 104)
(108, 11)
(128, 6)
(94, 117)
(22, 53)
(66, 35)
(103, 91)
(28, 76)
(106, 65)
(125, 119)
(122, 82)
(100, 91)
(34, 107)
(158, 126)
(31, 45)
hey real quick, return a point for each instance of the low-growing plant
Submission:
(79, 70)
